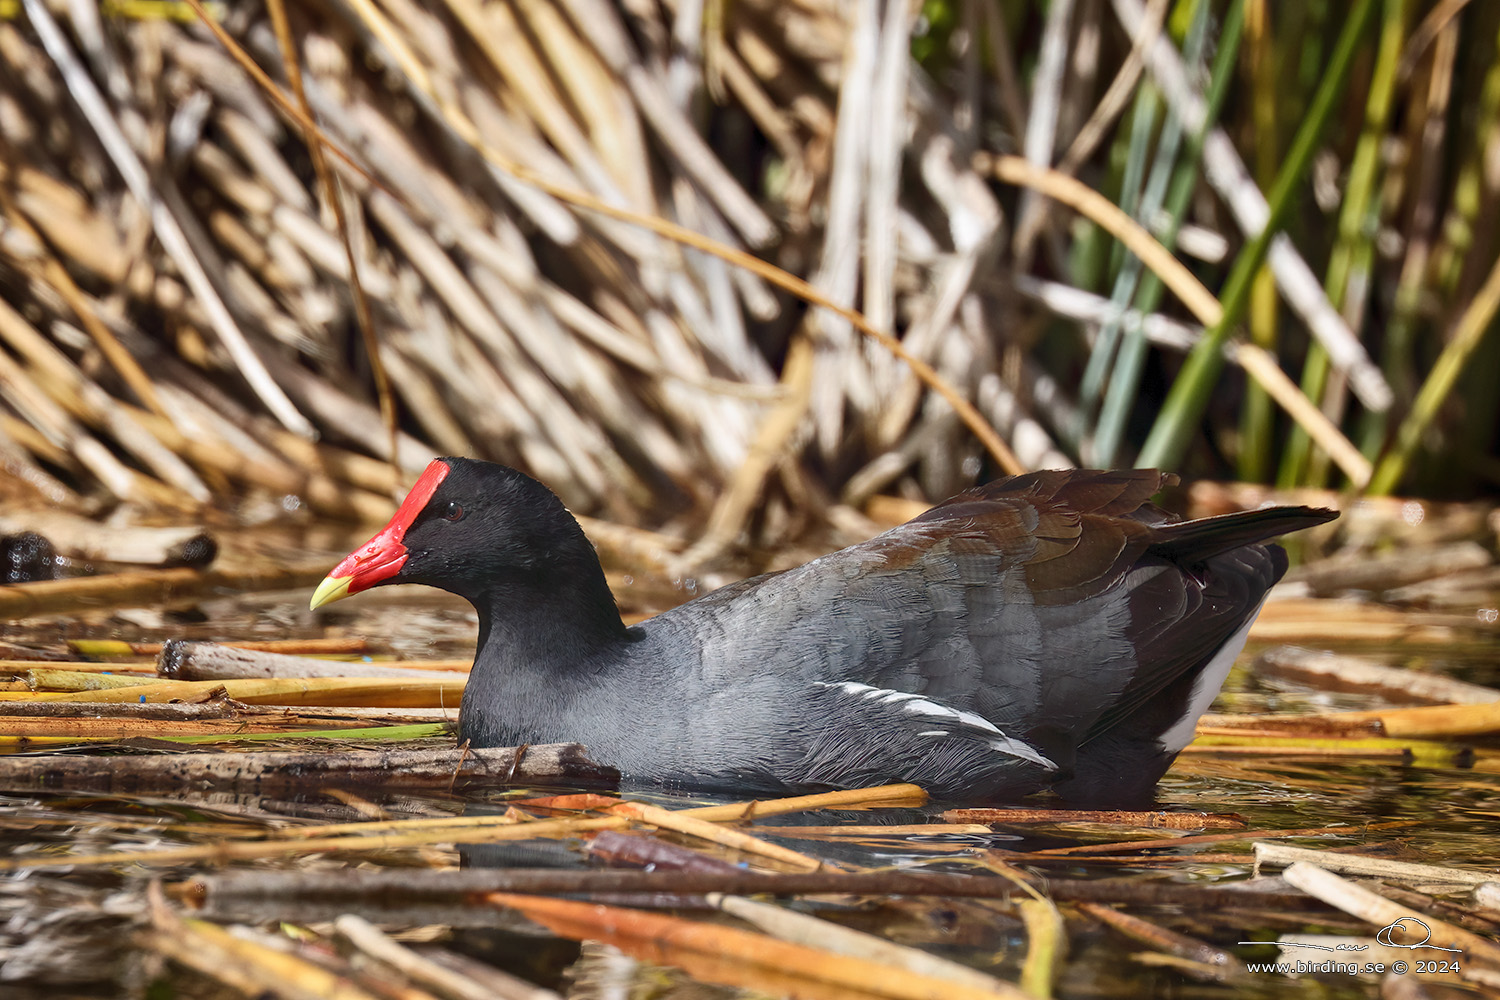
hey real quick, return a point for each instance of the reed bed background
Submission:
(518, 187)
(733, 271)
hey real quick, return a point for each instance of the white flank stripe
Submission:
(917, 705)
(1025, 751)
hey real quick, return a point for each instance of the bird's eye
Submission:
(452, 512)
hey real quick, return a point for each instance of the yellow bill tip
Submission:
(333, 588)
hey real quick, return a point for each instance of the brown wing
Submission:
(1075, 531)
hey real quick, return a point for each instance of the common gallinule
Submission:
(1052, 629)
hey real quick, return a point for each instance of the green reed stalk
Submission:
(1125, 376)
(1190, 393)
(1356, 234)
(1258, 413)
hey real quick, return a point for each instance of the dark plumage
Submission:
(1050, 630)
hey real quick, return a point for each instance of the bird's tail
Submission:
(1204, 538)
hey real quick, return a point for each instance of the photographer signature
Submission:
(1385, 936)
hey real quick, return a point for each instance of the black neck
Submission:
(550, 622)
(541, 652)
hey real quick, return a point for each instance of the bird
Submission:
(1049, 631)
